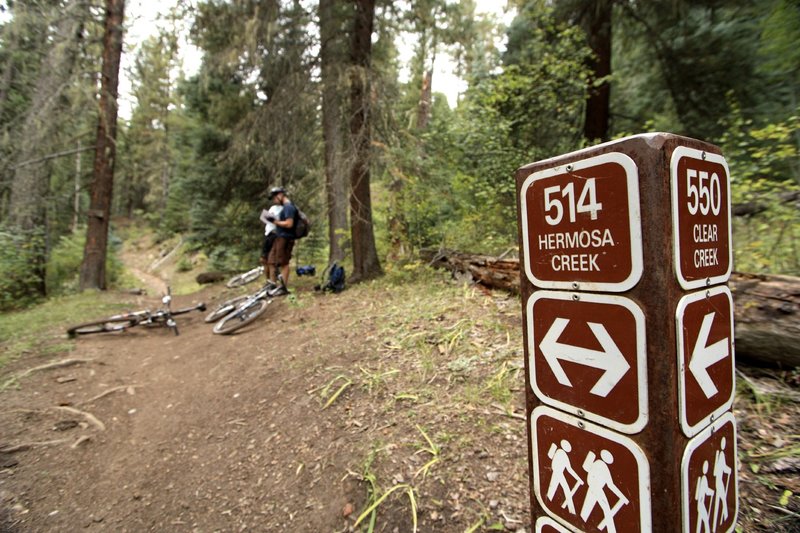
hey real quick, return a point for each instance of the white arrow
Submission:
(610, 358)
(704, 356)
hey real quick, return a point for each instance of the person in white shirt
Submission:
(268, 217)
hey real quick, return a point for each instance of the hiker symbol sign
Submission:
(588, 477)
(708, 479)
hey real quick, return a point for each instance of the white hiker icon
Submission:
(701, 492)
(721, 483)
(561, 465)
(598, 478)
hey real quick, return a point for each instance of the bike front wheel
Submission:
(224, 308)
(241, 317)
(108, 325)
(244, 279)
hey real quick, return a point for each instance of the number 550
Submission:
(705, 195)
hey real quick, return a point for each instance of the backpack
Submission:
(335, 281)
(302, 225)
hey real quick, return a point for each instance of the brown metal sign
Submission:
(701, 214)
(581, 225)
(709, 486)
(545, 524)
(588, 356)
(705, 357)
(588, 477)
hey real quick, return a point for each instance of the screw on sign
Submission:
(588, 356)
(701, 214)
(581, 225)
(708, 479)
(588, 477)
(705, 357)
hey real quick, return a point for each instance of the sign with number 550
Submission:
(701, 217)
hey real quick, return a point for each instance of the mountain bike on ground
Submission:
(239, 311)
(246, 277)
(161, 318)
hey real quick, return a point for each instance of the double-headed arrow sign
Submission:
(588, 356)
(609, 359)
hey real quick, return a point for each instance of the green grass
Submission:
(41, 330)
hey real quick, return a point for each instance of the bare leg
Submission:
(263, 261)
(285, 274)
(271, 269)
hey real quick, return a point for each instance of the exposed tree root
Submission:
(93, 420)
(128, 388)
(28, 445)
(55, 364)
(81, 440)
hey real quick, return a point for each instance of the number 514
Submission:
(557, 196)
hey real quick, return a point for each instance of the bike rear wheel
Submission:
(245, 278)
(241, 317)
(224, 308)
(108, 325)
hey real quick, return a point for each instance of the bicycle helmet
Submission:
(276, 190)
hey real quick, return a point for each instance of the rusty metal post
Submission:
(628, 328)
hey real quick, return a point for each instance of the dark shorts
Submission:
(281, 252)
(267, 246)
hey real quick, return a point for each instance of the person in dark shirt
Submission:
(281, 253)
(268, 217)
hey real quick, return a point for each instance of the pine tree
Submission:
(93, 268)
(365, 255)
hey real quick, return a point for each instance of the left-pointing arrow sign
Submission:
(610, 358)
(704, 356)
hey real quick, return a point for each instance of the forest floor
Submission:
(411, 387)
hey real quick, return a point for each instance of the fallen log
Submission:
(210, 277)
(766, 316)
(493, 272)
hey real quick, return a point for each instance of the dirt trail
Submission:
(206, 432)
(152, 283)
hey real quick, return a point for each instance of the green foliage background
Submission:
(198, 154)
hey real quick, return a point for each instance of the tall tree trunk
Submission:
(336, 186)
(365, 255)
(31, 183)
(425, 97)
(598, 29)
(76, 207)
(8, 77)
(93, 269)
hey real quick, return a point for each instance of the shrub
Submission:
(19, 281)
(64, 263)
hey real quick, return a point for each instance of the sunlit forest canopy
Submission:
(341, 103)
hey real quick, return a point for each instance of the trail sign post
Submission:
(629, 344)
